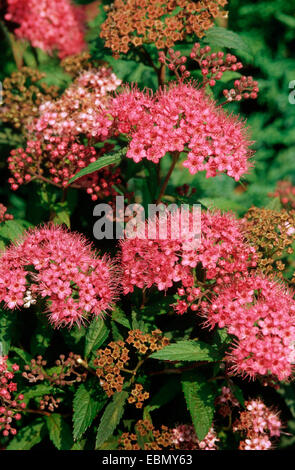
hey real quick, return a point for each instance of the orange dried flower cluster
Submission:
(150, 438)
(74, 64)
(137, 22)
(138, 396)
(23, 93)
(272, 233)
(145, 342)
(111, 361)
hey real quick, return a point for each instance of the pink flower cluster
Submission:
(221, 253)
(49, 24)
(59, 266)
(260, 314)
(3, 214)
(258, 423)
(10, 405)
(181, 118)
(77, 111)
(226, 401)
(184, 437)
(286, 192)
(57, 161)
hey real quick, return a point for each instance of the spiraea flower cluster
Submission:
(226, 401)
(57, 161)
(184, 438)
(220, 255)
(180, 118)
(133, 23)
(67, 372)
(285, 190)
(138, 396)
(111, 363)
(154, 439)
(11, 404)
(272, 233)
(260, 314)
(3, 214)
(57, 25)
(48, 402)
(213, 66)
(60, 267)
(258, 424)
(76, 111)
(23, 93)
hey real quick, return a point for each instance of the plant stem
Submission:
(175, 156)
(162, 74)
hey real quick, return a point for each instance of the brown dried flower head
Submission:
(272, 233)
(137, 22)
(23, 93)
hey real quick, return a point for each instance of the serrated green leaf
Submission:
(222, 204)
(199, 399)
(187, 351)
(223, 37)
(97, 333)
(26, 357)
(37, 391)
(85, 409)
(28, 436)
(111, 417)
(13, 229)
(102, 162)
(59, 432)
(119, 316)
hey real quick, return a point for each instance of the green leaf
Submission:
(26, 357)
(97, 333)
(222, 204)
(222, 37)
(274, 204)
(288, 393)
(7, 322)
(119, 316)
(28, 436)
(85, 409)
(187, 351)
(238, 393)
(37, 391)
(59, 432)
(41, 338)
(102, 162)
(13, 229)
(111, 417)
(62, 214)
(165, 394)
(199, 399)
